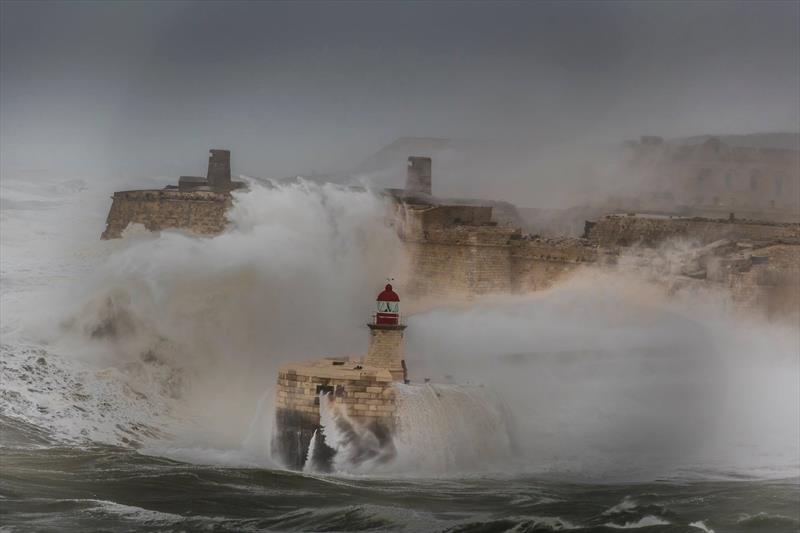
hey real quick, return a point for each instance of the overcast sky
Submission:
(142, 89)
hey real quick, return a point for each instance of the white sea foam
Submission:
(627, 504)
(701, 526)
(645, 521)
(135, 514)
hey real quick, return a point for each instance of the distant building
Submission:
(716, 177)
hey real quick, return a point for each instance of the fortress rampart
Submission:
(196, 205)
(714, 174)
(462, 249)
(458, 249)
(199, 212)
(629, 230)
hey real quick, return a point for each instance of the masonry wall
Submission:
(470, 269)
(199, 212)
(368, 398)
(772, 286)
(616, 231)
(458, 250)
(538, 264)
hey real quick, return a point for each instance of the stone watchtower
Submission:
(418, 175)
(386, 335)
(219, 169)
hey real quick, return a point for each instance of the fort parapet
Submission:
(198, 212)
(459, 249)
(197, 205)
(647, 230)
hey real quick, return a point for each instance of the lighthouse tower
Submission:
(386, 336)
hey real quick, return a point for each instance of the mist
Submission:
(605, 377)
(126, 92)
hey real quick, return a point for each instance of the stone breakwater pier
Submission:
(361, 389)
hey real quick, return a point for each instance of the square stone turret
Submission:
(418, 175)
(218, 177)
(219, 169)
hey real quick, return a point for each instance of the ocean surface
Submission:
(136, 380)
(50, 487)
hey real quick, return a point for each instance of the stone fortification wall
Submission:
(457, 249)
(417, 221)
(365, 393)
(622, 230)
(538, 263)
(439, 269)
(200, 212)
(474, 261)
(769, 280)
(714, 173)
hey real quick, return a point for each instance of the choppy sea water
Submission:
(47, 487)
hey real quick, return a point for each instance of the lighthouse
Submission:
(386, 336)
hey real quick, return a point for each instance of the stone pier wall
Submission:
(367, 396)
(198, 212)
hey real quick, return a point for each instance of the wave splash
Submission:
(198, 325)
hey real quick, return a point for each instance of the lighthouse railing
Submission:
(392, 319)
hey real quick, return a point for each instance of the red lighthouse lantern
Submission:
(388, 307)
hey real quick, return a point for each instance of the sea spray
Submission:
(259, 434)
(347, 445)
(313, 446)
(605, 378)
(449, 428)
(292, 278)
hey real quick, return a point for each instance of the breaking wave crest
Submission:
(440, 429)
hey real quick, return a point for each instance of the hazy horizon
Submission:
(125, 91)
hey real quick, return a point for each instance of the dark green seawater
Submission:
(48, 487)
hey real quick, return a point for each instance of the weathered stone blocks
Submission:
(198, 212)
